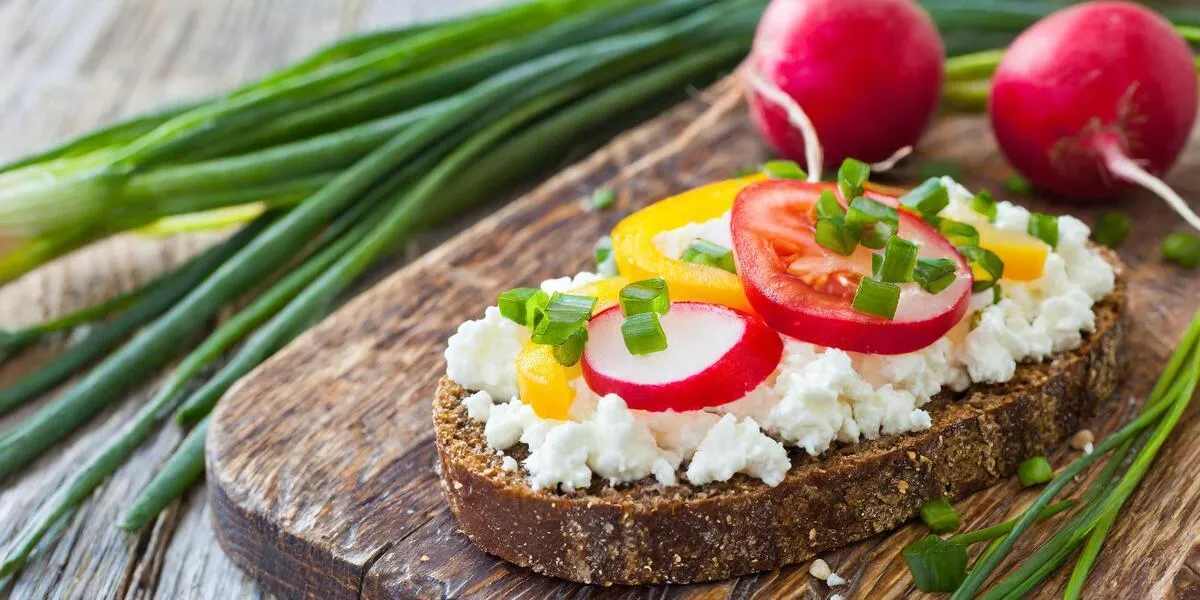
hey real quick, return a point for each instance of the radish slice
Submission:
(714, 355)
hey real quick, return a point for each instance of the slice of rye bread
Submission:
(644, 533)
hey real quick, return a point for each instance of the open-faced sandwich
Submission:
(772, 368)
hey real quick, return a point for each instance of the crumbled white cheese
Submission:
(507, 422)
(482, 354)
(478, 405)
(835, 580)
(509, 464)
(820, 569)
(732, 447)
(561, 459)
(673, 242)
(836, 597)
(816, 396)
(622, 447)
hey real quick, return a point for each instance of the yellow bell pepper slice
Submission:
(542, 382)
(1024, 256)
(637, 258)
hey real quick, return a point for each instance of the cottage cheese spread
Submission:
(817, 395)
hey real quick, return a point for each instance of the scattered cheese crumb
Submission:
(835, 580)
(820, 569)
(836, 597)
(424, 558)
(509, 464)
(1088, 448)
(478, 405)
(1082, 439)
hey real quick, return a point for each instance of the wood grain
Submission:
(321, 465)
(69, 66)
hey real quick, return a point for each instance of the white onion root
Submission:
(796, 116)
(1123, 167)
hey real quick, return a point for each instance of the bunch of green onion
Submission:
(328, 166)
(941, 565)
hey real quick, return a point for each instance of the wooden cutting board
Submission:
(321, 464)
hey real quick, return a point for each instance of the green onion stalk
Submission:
(1162, 411)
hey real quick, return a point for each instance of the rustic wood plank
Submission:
(72, 65)
(277, 440)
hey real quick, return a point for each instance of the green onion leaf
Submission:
(877, 298)
(939, 168)
(747, 171)
(940, 516)
(704, 252)
(875, 221)
(606, 259)
(934, 274)
(959, 233)
(984, 204)
(828, 206)
(876, 264)
(783, 169)
(899, 261)
(1112, 228)
(986, 260)
(936, 565)
(835, 235)
(561, 317)
(643, 334)
(648, 295)
(1035, 471)
(1043, 227)
(1018, 185)
(997, 294)
(568, 353)
(927, 199)
(851, 177)
(1182, 249)
(520, 305)
(603, 198)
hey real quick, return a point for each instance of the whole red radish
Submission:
(868, 74)
(1095, 98)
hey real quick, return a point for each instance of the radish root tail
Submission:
(795, 115)
(889, 162)
(1123, 167)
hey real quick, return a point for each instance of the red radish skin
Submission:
(868, 73)
(1094, 99)
(714, 355)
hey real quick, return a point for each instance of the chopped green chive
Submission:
(568, 353)
(783, 169)
(643, 334)
(603, 198)
(939, 168)
(927, 199)
(877, 298)
(959, 233)
(606, 259)
(851, 177)
(899, 261)
(997, 294)
(940, 516)
(1044, 227)
(704, 252)
(936, 564)
(746, 172)
(875, 221)
(1018, 185)
(876, 264)
(648, 295)
(834, 234)
(828, 206)
(1035, 471)
(988, 261)
(562, 316)
(984, 204)
(934, 274)
(521, 305)
(1182, 249)
(1112, 228)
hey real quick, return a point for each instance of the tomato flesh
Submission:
(805, 290)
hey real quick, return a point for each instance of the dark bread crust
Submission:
(643, 533)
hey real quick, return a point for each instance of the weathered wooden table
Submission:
(68, 66)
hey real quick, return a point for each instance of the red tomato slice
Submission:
(804, 290)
